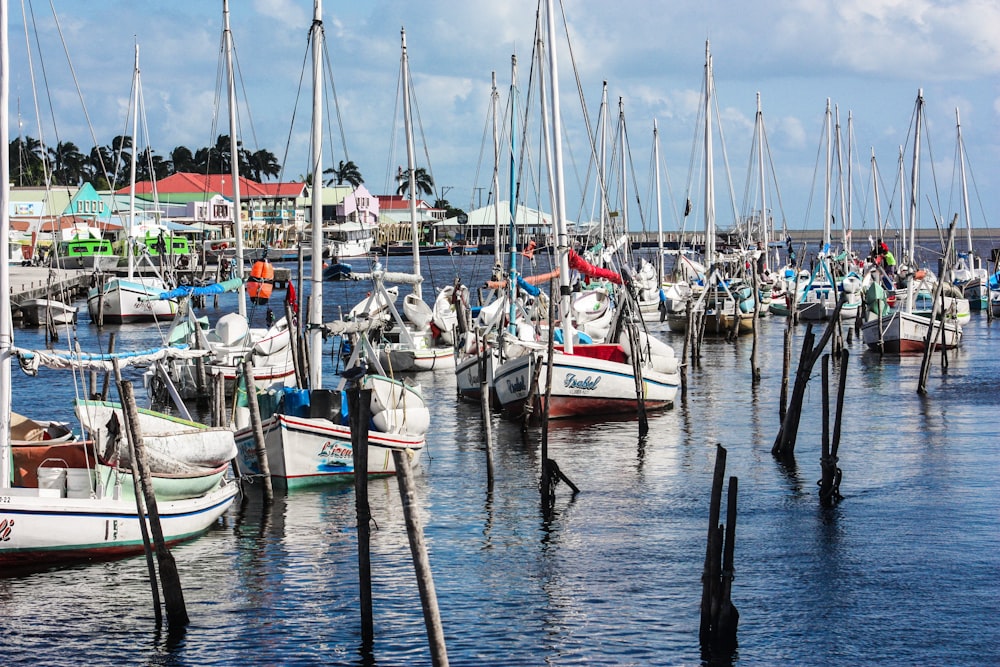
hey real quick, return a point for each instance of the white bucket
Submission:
(52, 478)
(79, 483)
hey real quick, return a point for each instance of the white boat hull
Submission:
(901, 333)
(582, 386)
(121, 300)
(37, 527)
(305, 451)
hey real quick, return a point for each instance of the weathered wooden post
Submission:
(829, 484)
(925, 364)
(115, 432)
(719, 617)
(484, 406)
(359, 409)
(784, 444)
(258, 429)
(173, 595)
(786, 366)
(421, 562)
(687, 344)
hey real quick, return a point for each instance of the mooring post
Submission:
(359, 408)
(784, 443)
(250, 385)
(484, 407)
(421, 562)
(173, 595)
(140, 505)
(929, 339)
(785, 367)
(709, 577)
(719, 617)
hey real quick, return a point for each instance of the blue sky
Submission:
(869, 56)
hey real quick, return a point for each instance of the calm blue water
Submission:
(903, 571)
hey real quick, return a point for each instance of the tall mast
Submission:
(965, 188)
(659, 208)
(764, 237)
(878, 203)
(915, 177)
(709, 172)
(316, 145)
(6, 332)
(495, 104)
(624, 165)
(410, 165)
(829, 167)
(559, 190)
(131, 172)
(234, 156)
(512, 202)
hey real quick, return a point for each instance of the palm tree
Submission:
(67, 163)
(263, 164)
(27, 161)
(424, 182)
(345, 171)
(183, 160)
(98, 166)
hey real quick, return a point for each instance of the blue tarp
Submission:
(207, 290)
(527, 287)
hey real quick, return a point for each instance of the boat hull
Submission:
(582, 386)
(304, 451)
(903, 333)
(120, 300)
(40, 529)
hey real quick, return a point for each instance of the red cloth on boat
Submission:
(578, 263)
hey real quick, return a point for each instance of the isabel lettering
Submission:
(587, 384)
(6, 526)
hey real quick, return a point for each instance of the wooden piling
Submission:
(258, 429)
(421, 562)
(785, 367)
(925, 364)
(719, 616)
(173, 595)
(784, 443)
(829, 484)
(484, 408)
(359, 409)
(140, 507)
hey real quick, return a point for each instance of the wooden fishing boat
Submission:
(41, 312)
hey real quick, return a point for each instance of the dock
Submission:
(39, 282)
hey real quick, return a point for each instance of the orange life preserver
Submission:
(220, 246)
(529, 252)
(261, 281)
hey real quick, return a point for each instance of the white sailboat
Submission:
(232, 341)
(719, 295)
(413, 345)
(968, 273)
(308, 441)
(902, 330)
(587, 380)
(126, 299)
(818, 297)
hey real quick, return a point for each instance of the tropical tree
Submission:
(27, 161)
(345, 172)
(151, 167)
(423, 181)
(263, 164)
(183, 160)
(98, 167)
(450, 211)
(67, 163)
